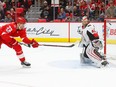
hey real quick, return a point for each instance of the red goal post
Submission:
(107, 22)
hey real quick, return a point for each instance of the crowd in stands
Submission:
(95, 10)
(10, 9)
(67, 11)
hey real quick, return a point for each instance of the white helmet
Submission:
(84, 18)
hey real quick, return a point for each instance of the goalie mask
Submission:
(85, 20)
(97, 44)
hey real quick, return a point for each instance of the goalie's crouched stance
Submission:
(92, 55)
(9, 31)
(91, 44)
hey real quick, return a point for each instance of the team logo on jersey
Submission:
(8, 29)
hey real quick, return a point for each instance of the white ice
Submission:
(53, 67)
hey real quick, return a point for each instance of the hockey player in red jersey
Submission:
(91, 44)
(9, 31)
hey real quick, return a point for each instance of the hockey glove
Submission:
(34, 44)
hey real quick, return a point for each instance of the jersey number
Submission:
(8, 29)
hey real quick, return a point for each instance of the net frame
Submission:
(107, 20)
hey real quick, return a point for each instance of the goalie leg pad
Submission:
(95, 56)
(85, 60)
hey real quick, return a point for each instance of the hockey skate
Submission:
(104, 63)
(25, 64)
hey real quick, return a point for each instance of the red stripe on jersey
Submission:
(92, 54)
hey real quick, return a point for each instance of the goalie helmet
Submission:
(84, 18)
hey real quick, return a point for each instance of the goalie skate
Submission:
(25, 64)
(104, 63)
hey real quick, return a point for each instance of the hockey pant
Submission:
(18, 49)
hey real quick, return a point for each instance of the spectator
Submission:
(84, 8)
(76, 14)
(101, 17)
(63, 3)
(45, 4)
(12, 10)
(26, 4)
(46, 13)
(62, 14)
(12, 3)
(69, 7)
(2, 9)
(8, 17)
(1, 19)
(111, 11)
(91, 7)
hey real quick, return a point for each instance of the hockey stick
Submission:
(72, 45)
(28, 45)
(57, 45)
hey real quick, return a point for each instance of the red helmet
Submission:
(21, 20)
(8, 12)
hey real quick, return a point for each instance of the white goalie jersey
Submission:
(90, 39)
(88, 34)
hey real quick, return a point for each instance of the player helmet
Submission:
(21, 20)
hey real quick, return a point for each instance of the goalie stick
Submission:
(29, 45)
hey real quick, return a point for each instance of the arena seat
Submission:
(42, 20)
(56, 20)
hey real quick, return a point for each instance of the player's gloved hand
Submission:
(34, 44)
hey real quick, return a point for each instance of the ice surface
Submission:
(53, 67)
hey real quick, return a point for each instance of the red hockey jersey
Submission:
(9, 31)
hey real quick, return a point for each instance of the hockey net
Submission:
(109, 38)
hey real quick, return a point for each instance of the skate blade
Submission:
(26, 66)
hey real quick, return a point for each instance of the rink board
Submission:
(64, 32)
